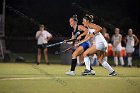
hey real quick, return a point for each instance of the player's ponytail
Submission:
(89, 17)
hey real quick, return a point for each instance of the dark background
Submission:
(24, 16)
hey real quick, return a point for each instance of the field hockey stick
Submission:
(71, 47)
(51, 45)
(74, 46)
(69, 40)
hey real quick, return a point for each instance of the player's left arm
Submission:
(136, 40)
(96, 27)
(120, 39)
(88, 37)
(49, 36)
(85, 31)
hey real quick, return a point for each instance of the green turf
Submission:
(30, 78)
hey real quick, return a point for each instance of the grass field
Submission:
(30, 78)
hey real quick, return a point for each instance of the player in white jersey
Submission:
(130, 40)
(42, 37)
(117, 47)
(99, 46)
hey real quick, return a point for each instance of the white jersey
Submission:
(116, 39)
(42, 37)
(130, 40)
(99, 40)
(130, 44)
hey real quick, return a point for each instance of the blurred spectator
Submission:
(130, 40)
(117, 47)
(42, 37)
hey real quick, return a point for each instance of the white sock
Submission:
(105, 58)
(107, 66)
(130, 61)
(116, 61)
(122, 61)
(87, 62)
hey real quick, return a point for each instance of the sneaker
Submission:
(47, 63)
(92, 72)
(82, 64)
(37, 63)
(70, 73)
(113, 73)
(86, 72)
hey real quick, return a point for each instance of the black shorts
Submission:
(42, 46)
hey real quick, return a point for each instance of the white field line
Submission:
(82, 77)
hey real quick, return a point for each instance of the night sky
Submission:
(54, 14)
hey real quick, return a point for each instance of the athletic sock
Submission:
(87, 62)
(105, 58)
(116, 61)
(122, 61)
(73, 64)
(91, 68)
(107, 66)
(130, 61)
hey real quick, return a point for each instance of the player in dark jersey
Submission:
(79, 33)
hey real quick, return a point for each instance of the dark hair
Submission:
(41, 25)
(74, 17)
(89, 17)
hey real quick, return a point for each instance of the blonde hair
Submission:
(74, 17)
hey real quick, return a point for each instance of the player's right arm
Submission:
(136, 39)
(38, 33)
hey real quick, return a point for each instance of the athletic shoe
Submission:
(92, 72)
(70, 73)
(47, 63)
(113, 73)
(86, 72)
(82, 64)
(37, 63)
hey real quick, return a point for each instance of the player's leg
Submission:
(129, 51)
(106, 58)
(121, 58)
(115, 58)
(129, 59)
(105, 64)
(91, 60)
(86, 54)
(38, 56)
(76, 53)
(46, 55)
(81, 60)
